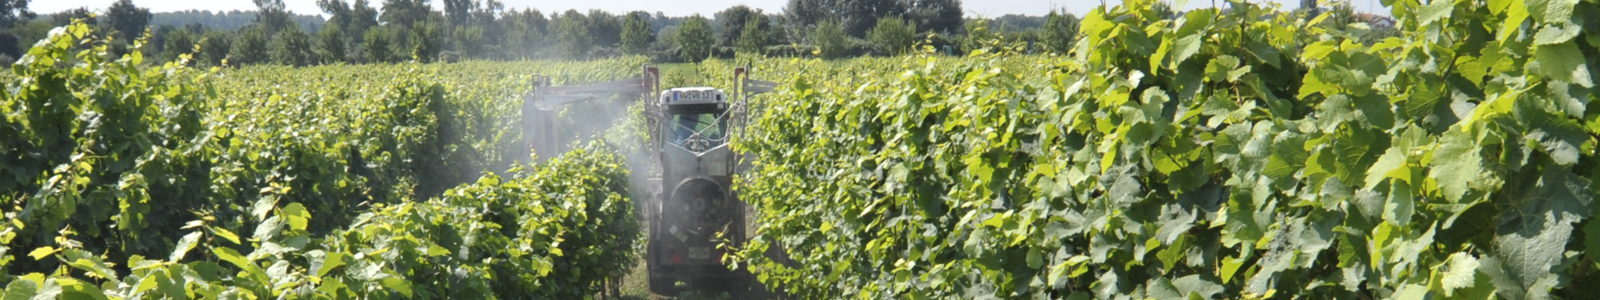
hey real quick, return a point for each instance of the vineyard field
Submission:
(393, 181)
(1252, 152)
(1217, 154)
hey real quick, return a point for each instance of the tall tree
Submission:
(66, 17)
(893, 35)
(605, 27)
(493, 29)
(292, 47)
(525, 32)
(695, 38)
(979, 36)
(854, 16)
(214, 47)
(128, 21)
(338, 12)
(1163, 10)
(426, 40)
(13, 12)
(362, 17)
(375, 45)
(830, 39)
(489, 11)
(805, 14)
(178, 42)
(573, 32)
(754, 37)
(731, 21)
(249, 46)
(940, 16)
(1060, 32)
(468, 40)
(405, 12)
(331, 42)
(459, 12)
(272, 15)
(636, 34)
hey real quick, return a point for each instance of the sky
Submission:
(974, 8)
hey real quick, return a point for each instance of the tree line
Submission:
(403, 30)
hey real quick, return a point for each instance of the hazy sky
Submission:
(988, 8)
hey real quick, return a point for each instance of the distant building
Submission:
(1374, 20)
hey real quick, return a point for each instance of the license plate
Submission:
(699, 253)
(694, 95)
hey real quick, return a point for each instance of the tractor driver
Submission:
(687, 124)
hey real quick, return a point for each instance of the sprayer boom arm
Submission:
(540, 129)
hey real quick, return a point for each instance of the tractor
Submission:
(692, 208)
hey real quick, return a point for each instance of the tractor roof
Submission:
(693, 95)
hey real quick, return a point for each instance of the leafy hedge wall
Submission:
(1239, 153)
(277, 182)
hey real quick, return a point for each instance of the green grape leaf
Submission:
(1516, 15)
(1412, 291)
(42, 252)
(333, 260)
(184, 245)
(95, 267)
(1194, 284)
(263, 206)
(1564, 62)
(21, 289)
(225, 234)
(1456, 164)
(1550, 11)
(1435, 11)
(296, 215)
(1562, 138)
(1184, 47)
(1556, 33)
(397, 284)
(1533, 235)
(1498, 6)
(1460, 272)
(1219, 68)
(1391, 165)
(232, 256)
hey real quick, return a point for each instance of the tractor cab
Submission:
(696, 117)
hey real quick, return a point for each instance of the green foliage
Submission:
(753, 38)
(127, 20)
(178, 42)
(1060, 32)
(271, 181)
(830, 40)
(13, 12)
(375, 45)
(980, 38)
(573, 33)
(1236, 154)
(426, 41)
(893, 35)
(734, 22)
(695, 39)
(636, 35)
(292, 47)
(214, 47)
(331, 44)
(248, 46)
